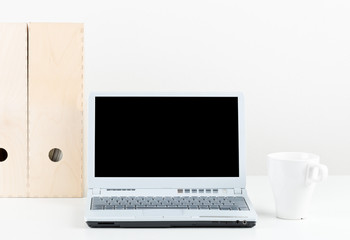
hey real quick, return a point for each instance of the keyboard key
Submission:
(225, 207)
(231, 199)
(97, 200)
(214, 207)
(195, 202)
(241, 198)
(97, 207)
(113, 202)
(241, 204)
(203, 207)
(214, 201)
(244, 209)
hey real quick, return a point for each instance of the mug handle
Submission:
(316, 173)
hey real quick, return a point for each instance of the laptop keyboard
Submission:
(207, 203)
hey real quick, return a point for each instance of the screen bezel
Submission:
(164, 182)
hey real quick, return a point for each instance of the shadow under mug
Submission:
(293, 176)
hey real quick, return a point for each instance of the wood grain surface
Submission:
(55, 116)
(13, 109)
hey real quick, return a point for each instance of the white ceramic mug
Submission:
(293, 176)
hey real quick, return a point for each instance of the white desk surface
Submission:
(64, 218)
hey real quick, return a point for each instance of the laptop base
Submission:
(169, 224)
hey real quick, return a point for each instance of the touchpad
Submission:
(161, 213)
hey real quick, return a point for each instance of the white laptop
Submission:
(167, 160)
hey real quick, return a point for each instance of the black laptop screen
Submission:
(166, 137)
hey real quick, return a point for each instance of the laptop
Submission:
(167, 160)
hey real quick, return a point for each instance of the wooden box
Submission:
(41, 110)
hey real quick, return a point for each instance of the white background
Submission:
(290, 58)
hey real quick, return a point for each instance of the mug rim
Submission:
(293, 156)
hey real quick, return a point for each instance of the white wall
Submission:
(291, 58)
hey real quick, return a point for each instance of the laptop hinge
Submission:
(96, 191)
(238, 190)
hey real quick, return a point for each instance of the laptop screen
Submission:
(166, 137)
